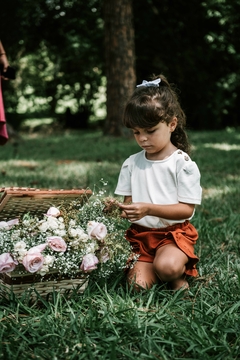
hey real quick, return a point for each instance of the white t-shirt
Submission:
(164, 182)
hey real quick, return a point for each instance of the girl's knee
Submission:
(142, 275)
(168, 270)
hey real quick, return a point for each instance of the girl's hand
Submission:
(5, 64)
(134, 211)
(111, 206)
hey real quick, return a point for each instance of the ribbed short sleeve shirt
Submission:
(164, 182)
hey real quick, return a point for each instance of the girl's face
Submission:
(156, 141)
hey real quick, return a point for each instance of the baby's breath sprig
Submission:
(112, 207)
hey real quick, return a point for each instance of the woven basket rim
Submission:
(16, 200)
(14, 278)
(44, 288)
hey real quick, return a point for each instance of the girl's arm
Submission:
(3, 57)
(136, 211)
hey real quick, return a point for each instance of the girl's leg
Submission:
(142, 275)
(170, 265)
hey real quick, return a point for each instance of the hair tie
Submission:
(150, 83)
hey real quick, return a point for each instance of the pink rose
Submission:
(89, 263)
(8, 224)
(57, 243)
(96, 230)
(33, 259)
(7, 263)
(52, 211)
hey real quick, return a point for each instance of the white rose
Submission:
(20, 248)
(44, 270)
(53, 223)
(52, 211)
(43, 227)
(60, 232)
(91, 247)
(72, 232)
(84, 237)
(21, 253)
(72, 222)
(20, 245)
(49, 260)
(80, 232)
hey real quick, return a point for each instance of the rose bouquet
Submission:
(68, 239)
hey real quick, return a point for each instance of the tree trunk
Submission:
(120, 61)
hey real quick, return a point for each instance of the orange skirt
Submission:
(146, 241)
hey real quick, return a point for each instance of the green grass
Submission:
(109, 321)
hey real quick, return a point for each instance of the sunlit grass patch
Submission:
(109, 320)
(216, 192)
(223, 146)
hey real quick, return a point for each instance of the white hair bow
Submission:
(150, 83)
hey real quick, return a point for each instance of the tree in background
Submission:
(119, 60)
(59, 46)
(196, 45)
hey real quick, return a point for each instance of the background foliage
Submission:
(196, 44)
(57, 47)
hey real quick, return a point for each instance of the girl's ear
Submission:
(173, 124)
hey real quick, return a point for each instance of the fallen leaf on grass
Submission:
(219, 219)
(65, 161)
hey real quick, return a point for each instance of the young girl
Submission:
(161, 186)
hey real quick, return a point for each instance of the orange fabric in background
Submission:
(145, 241)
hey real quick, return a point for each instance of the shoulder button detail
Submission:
(186, 158)
(179, 152)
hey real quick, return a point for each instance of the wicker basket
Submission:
(13, 203)
(16, 201)
(43, 285)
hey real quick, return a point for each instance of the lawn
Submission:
(109, 321)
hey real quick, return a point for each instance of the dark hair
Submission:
(151, 104)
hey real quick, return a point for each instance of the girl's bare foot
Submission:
(179, 284)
